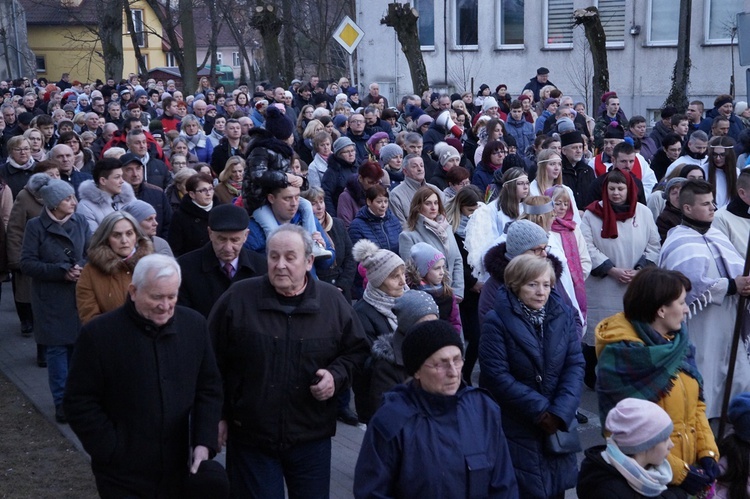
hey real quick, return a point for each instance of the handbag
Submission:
(563, 442)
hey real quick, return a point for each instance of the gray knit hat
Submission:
(140, 210)
(390, 151)
(425, 257)
(341, 143)
(677, 181)
(412, 306)
(54, 192)
(426, 338)
(445, 151)
(565, 125)
(489, 103)
(379, 263)
(638, 425)
(523, 235)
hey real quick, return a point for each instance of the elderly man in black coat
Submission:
(209, 271)
(144, 391)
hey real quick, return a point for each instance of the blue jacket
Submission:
(529, 375)
(381, 231)
(483, 177)
(735, 125)
(425, 445)
(523, 132)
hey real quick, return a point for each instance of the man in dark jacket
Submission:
(358, 136)
(577, 174)
(140, 425)
(229, 146)
(132, 173)
(156, 171)
(286, 345)
(209, 271)
(536, 83)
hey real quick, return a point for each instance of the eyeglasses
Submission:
(22, 149)
(718, 154)
(447, 366)
(205, 190)
(539, 251)
(356, 122)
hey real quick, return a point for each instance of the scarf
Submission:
(535, 317)
(233, 187)
(649, 482)
(601, 168)
(439, 227)
(738, 207)
(60, 221)
(461, 230)
(197, 140)
(381, 302)
(566, 227)
(26, 166)
(204, 208)
(78, 161)
(696, 225)
(605, 211)
(644, 369)
(39, 155)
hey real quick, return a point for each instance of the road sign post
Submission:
(348, 34)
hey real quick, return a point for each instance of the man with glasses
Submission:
(357, 135)
(695, 152)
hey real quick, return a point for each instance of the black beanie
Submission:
(277, 124)
(426, 338)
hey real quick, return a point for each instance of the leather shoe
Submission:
(581, 418)
(347, 416)
(60, 415)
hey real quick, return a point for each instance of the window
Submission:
(559, 26)
(170, 60)
(219, 58)
(426, 23)
(467, 18)
(138, 27)
(509, 22)
(236, 59)
(41, 64)
(663, 22)
(721, 20)
(612, 15)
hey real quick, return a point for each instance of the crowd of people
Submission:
(206, 269)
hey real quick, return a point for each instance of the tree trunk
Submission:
(681, 73)
(189, 67)
(288, 36)
(142, 68)
(110, 34)
(403, 19)
(266, 21)
(592, 26)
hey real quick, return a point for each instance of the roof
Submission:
(54, 13)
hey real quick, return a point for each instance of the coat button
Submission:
(538, 378)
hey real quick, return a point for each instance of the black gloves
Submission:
(695, 481)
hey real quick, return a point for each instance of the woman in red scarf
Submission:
(621, 237)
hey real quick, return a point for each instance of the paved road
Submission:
(18, 362)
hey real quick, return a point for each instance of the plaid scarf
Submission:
(645, 369)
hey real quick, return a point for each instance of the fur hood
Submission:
(106, 261)
(88, 191)
(495, 263)
(383, 348)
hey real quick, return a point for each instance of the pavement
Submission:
(18, 363)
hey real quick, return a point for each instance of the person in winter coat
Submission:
(386, 361)
(53, 254)
(531, 362)
(375, 221)
(145, 215)
(116, 247)
(576, 173)
(520, 129)
(449, 158)
(144, 394)
(633, 463)
(198, 143)
(189, 227)
(435, 436)
(493, 155)
(734, 481)
(106, 193)
(723, 106)
(342, 164)
(645, 352)
(353, 198)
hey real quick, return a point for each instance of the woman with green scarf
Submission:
(644, 352)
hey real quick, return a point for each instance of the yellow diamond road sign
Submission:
(348, 34)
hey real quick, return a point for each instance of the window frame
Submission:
(545, 28)
(649, 24)
(615, 44)
(456, 24)
(219, 58)
(170, 60)
(499, 28)
(707, 27)
(236, 58)
(43, 67)
(426, 47)
(140, 31)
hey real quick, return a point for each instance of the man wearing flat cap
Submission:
(536, 83)
(209, 271)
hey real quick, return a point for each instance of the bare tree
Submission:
(403, 19)
(462, 73)
(580, 72)
(142, 68)
(681, 73)
(266, 20)
(597, 40)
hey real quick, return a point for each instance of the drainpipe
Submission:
(445, 41)
(15, 35)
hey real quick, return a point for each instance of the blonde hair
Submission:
(525, 268)
(229, 166)
(543, 220)
(542, 180)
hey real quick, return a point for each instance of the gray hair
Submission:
(114, 152)
(410, 157)
(413, 138)
(294, 229)
(153, 267)
(190, 119)
(313, 193)
(698, 136)
(107, 225)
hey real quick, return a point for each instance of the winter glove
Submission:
(710, 466)
(549, 423)
(695, 481)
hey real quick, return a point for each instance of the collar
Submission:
(701, 227)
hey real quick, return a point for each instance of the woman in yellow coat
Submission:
(644, 352)
(116, 246)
